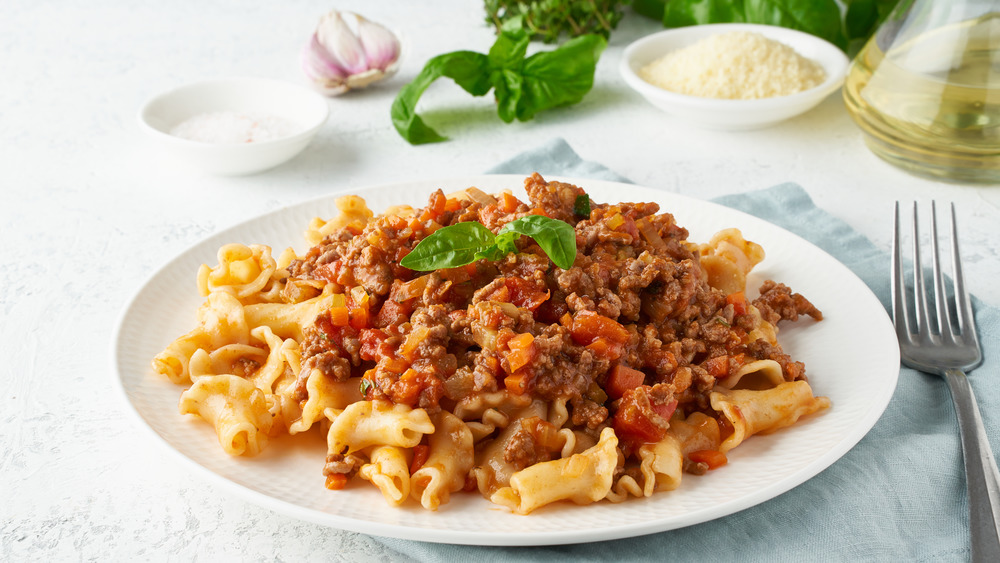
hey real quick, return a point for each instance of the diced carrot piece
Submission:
(339, 316)
(394, 365)
(521, 351)
(508, 202)
(359, 318)
(336, 481)
(517, 383)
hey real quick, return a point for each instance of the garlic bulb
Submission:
(348, 51)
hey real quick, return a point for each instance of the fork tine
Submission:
(898, 287)
(941, 304)
(919, 293)
(963, 305)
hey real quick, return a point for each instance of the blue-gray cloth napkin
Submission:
(899, 495)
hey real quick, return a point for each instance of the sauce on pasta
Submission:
(516, 378)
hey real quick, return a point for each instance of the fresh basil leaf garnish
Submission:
(464, 243)
(557, 238)
(450, 247)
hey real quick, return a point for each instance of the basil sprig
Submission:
(464, 243)
(523, 86)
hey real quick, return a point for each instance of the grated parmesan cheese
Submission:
(740, 65)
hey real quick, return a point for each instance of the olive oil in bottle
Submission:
(930, 103)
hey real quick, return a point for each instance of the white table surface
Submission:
(89, 210)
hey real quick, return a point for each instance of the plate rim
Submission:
(865, 422)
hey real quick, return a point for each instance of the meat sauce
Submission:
(627, 335)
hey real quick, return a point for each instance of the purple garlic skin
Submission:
(348, 52)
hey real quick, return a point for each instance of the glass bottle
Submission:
(925, 89)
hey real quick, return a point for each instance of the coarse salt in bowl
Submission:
(732, 114)
(234, 126)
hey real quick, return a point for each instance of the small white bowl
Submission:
(296, 104)
(724, 114)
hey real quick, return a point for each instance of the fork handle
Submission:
(982, 477)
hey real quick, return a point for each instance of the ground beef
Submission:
(777, 303)
(556, 199)
(522, 451)
(451, 337)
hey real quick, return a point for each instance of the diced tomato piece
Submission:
(373, 345)
(632, 426)
(739, 302)
(634, 420)
(329, 272)
(330, 332)
(629, 227)
(420, 454)
(601, 334)
(588, 326)
(621, 378)
(393, 312)
(714, 459)
(717, 366)
(666, 410)
(524, 293)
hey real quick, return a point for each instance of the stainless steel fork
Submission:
(946, 344)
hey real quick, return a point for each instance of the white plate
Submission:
(851, 357)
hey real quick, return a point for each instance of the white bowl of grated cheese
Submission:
(234, 126)
(733, 76)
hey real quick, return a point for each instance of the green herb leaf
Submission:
(522, 86)
(548, 20)
(863, 17)
(468, 69)
(450, 247)
(581, 207)
(464, 243)
(557, 238)
(366, 385)
(505, 242)
(818, 17)
(560, 77)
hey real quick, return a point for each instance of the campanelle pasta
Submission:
(610, 377)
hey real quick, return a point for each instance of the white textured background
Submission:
(88, 211)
